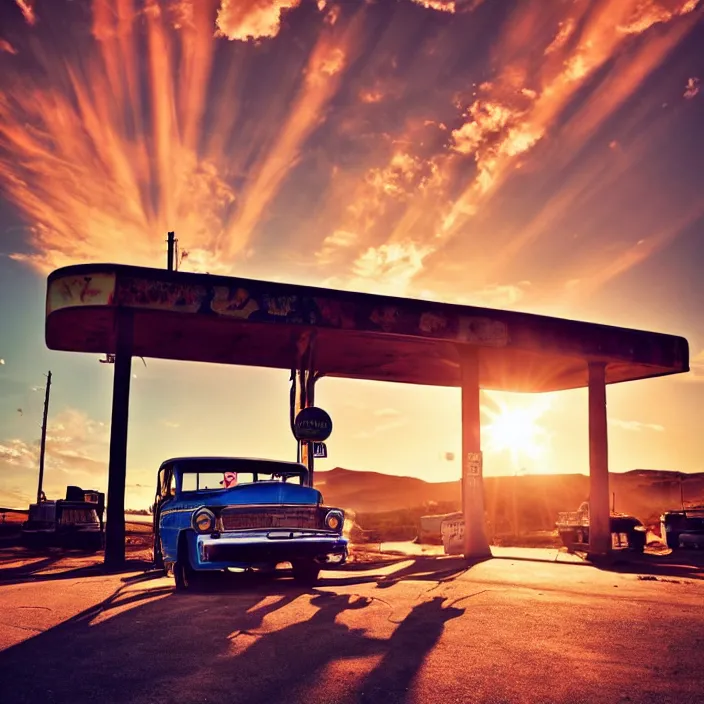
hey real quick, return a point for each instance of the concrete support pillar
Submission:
(117, 470)
(476, 544)
(599, 511)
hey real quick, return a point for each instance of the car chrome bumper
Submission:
(270, 546)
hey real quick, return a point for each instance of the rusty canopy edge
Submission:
(360, 335)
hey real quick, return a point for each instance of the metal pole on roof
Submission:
(170, 242)
(42, 450)
(310, 395)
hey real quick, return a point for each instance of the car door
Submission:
(165, 480)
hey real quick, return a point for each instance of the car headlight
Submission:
(203, 520)
(334, 520)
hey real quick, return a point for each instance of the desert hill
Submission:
(526, 502)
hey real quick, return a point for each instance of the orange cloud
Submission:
(692, 88)
(321, 80)
(610, 265)
(77, 449)
(439, 5)
(384, 223)
(506, 121)
(371, 96)
(251, 19)
(7, 47)
(77, 452)
(27, 8)
(341, 162)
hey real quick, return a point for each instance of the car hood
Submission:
(255, 493)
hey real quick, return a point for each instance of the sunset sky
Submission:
(535, 155)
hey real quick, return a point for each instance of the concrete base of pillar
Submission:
(475, 542)
(471, 560)
(601, 559)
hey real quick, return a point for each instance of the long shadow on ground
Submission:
(154, 645)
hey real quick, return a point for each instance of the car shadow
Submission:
(187, 648)
(406, 650)
(677, 564)
(34, 563)
(157, 645)
(423, 568)
(36, 570)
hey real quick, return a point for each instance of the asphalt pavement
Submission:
(522, 627)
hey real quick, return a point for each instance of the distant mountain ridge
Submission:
(643, 492)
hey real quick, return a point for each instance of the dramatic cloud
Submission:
(321, 79)
(329, 144)
(27, 7)
(19, 453)
(635, 426)
(497, 295)
(252, 19)
(439, 5)
(692, 88)
(513, 113)
(76, 452)
(7, 47)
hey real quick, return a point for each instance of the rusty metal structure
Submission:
(128, 311)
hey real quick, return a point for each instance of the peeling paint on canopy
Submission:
(203, 318)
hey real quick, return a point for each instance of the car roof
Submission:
(240, 463)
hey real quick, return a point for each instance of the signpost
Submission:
(320, 450)
(312, 424)
(313, 427)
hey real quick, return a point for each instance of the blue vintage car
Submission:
(217, 513)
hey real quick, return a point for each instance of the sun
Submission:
(517, 429)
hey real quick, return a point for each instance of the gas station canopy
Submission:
(205, 318)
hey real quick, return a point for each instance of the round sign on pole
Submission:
(312, 424)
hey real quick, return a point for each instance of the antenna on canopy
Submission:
(171, 252)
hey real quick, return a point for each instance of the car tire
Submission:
(569, 538)
(93, 545)
(185, 577)
(672, 540)
(157, 554)
(636, 543)
(306, 572)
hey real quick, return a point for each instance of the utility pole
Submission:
(43, 443)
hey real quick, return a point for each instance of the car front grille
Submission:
(242, 518)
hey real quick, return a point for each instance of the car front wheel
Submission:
(157, 554)
(186, 578)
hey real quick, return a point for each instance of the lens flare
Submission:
(515, 427)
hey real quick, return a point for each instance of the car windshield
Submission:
(195, 480)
